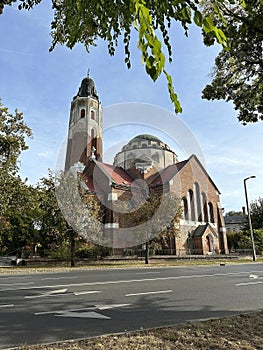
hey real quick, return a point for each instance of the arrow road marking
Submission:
(80, 311)
(47, 294)
(91, 314)
(107, 307)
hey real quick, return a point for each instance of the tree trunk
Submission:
(147, 252)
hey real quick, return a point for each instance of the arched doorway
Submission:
(209, 243)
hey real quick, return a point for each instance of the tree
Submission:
(81, 21)
(17, 199)
(256, 212)
(242, 239)
(52, 225)
(234, 213)
(238, 72)
(154, 219)
(69, 214)
(18, 220)
(13, 133)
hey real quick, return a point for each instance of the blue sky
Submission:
(41, 85)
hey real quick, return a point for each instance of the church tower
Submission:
(85, 125)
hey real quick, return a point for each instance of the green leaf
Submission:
(198, 18)
(208, 24)
(173, 95)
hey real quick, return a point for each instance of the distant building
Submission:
(235, 223)
(145, 157)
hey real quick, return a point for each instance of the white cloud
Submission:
(43, 154)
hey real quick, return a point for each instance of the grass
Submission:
(101, 264)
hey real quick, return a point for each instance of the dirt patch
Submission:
(243, 332)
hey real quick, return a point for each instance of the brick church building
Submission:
(201, 229)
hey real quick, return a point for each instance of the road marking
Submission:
(107, 307)
(91, 314)
(47, 294)
(146, 273)
(130, 281)
(146, 293)
(58, 278)
(81, 310)
(16, 284)
(87, 292)
(60, 311)
(6, 305)
(248, 283)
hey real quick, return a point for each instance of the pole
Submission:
(249, 219)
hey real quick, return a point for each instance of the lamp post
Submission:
(249, 218)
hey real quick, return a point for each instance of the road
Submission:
(49, 307)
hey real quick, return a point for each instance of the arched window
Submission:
(211, 212)
(185, 208)
(82, 113)
(204, 205)
(192, 205)
(198, 208)
(92, 115)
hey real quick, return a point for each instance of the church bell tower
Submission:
(85, 126)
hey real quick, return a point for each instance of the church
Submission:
(145, 159)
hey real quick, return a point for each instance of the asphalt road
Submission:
(49, 307)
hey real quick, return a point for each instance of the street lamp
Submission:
(249, 218)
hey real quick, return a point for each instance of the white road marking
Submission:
(248, 283)
(91, 314)
(146, 273)
(87, 292)
(47, 294)
(16, 284)
(7, 305)
(58, 278)
(81, 310)
(60, 311)
(107, 307)
(129, 281)
(15, 277)
(146, 293)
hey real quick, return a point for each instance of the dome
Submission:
(87, 88)
(146, 152)
(146, 137)
(146, 141)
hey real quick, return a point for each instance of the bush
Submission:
(93, 252)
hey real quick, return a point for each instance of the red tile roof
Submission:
(117, 174)
(166, 174)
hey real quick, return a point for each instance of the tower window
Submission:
(92, 115)
(82, 113)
